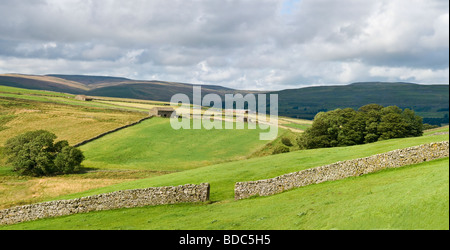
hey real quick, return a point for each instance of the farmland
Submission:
(374, 201)
(145, 150)
(75, 121)
(152, 154)
(154, 145)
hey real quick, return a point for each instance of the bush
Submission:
(286, 141)
(427, 126)
(280, 150)
(69, 160)
(35, 154)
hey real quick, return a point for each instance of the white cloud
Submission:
(429, 76)
(440, 35)
(253, 44)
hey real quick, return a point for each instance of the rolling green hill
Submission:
(152, 154)
(154, 145)
(412, 197)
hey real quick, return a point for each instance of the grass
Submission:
(270, 147)
(69, 101)
(20, 190)
(72, 123)
(153, 154)
(298, 126)
(136, 105)
(413, 197)
(24, 110)
(222, 177)
(436, 130)
(148, 147)
(20, 91)
(155, 145)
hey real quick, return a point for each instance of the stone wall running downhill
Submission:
(120, 199)
(341, 170)
(110, 132)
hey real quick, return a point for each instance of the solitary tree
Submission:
(35, 154)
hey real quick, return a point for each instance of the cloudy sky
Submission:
(247, 44)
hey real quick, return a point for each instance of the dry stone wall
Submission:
(111, 131)
(115, 200)
(341, 170)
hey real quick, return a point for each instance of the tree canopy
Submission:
(34, 153)
(370, 123)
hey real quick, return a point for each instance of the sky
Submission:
(246, 44)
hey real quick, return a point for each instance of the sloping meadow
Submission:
(411, 197)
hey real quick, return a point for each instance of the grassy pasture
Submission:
(413, 197)
(66, 101)
(68, 122)
(20, 91)
(155, 145)
(223, 176)
(23, 110)
(302, 127)
(149, 149)
(19, 190)
(296, 125)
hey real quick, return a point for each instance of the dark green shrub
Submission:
(286, 141)
(427, 126)
(280, 149)
(68, 161)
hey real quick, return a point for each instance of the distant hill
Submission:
(107, 86)
(91, 80)
(42, 83)
(429, 101)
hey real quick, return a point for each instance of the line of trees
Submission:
(370, 123)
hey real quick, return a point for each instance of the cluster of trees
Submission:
(370, 123)
(35, 154)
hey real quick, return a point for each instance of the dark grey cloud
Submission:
(263, 44)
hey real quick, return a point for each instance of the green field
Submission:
(375, 201)
(299, 126)
(413, 197)
(153, 154)
(148, 149)
(155, 145)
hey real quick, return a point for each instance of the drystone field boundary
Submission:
(343, 169)
(121, 199)
(111, 131)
